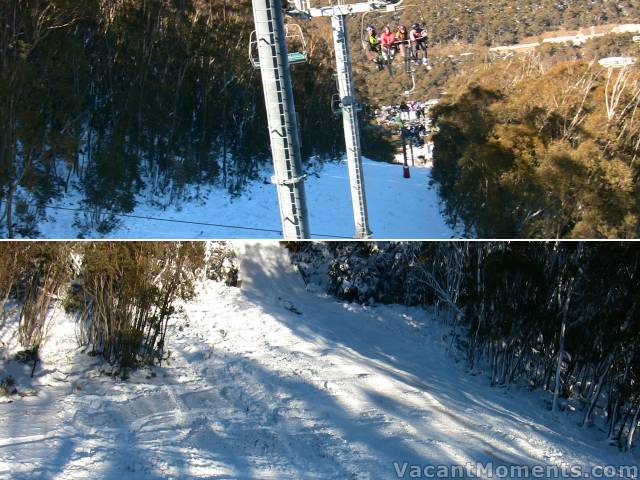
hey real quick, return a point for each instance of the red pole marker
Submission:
(405, 164)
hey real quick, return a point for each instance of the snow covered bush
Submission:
(222, 263)
(32, 274)
(365, 272)
(368, 272)
(7, 386)
(129, 293)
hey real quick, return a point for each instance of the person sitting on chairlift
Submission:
(418, 43)
(373, 51)
(388, 40)
(402, 40)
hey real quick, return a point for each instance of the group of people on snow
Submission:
(411, 43)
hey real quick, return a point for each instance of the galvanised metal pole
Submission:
(351, 128)
(281, 115)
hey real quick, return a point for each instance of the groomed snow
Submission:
(274, 380)
(398, 208)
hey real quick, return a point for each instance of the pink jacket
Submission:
(388, 38)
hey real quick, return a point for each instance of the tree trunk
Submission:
(626, 416)
(556, 391)
(596, 393)
(563, 329)
(613, 419)
(615, 411)
(514, 369)
(9, 208)
(633, 429)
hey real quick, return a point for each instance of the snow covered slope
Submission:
(274, 380)
(398, 208)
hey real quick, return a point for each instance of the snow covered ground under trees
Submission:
(277, 380)
(398, 208)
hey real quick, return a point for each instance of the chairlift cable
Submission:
(188, 222)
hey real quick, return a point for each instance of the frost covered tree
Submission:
(559, 317)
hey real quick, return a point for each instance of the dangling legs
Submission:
(373, 54)
(406, 57)
(387, 56)
(414, 52)
(422, 46)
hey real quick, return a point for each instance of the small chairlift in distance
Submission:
(295, 38)
(336, 105)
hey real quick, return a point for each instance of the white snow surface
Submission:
(398, 208)
(274, 380)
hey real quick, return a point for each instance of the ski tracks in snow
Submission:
(273, 381)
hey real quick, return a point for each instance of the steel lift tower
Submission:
(274, 60)
(339, 10)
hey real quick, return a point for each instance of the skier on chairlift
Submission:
(418, 43)
(402, 40)
(388, 40)
(373, 49)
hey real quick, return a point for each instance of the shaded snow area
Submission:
(398, 208)
(276, 380)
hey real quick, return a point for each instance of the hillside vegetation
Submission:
(113, 97)
(526, 151)
(557, 317)
(500, 22)
(541, 144)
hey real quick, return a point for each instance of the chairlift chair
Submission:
(293, 35)
(306, 5)
(336, 104)
(414, 9)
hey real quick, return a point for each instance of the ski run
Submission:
(277, 380)
(398, 208)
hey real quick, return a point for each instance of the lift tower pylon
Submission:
(347, 94)
(281, 116)
(339, 11)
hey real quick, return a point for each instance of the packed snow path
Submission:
(273, 380)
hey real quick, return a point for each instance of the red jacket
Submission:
(388, 38)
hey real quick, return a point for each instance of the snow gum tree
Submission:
(128, 292)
